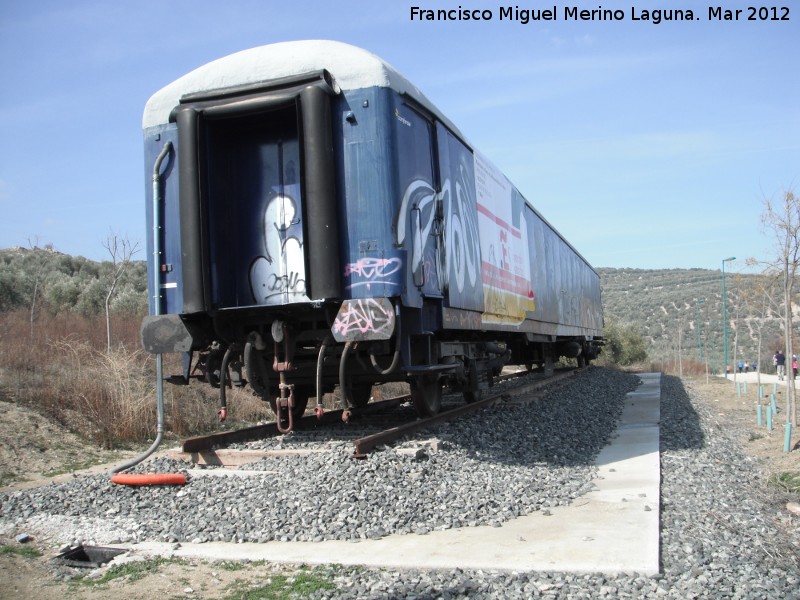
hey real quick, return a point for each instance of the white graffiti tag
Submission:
(460, 261)
(419, 196)
(280, 275)
(464, 247)
(369, 271)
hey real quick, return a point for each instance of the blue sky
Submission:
(647, 146)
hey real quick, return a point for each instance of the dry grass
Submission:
(685, 368)
(64, 371)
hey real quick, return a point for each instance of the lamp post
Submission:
(698, 302)
(725, 318)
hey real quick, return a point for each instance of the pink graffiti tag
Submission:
(373, 270)
(364, 319)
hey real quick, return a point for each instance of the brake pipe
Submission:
(395, 359)
(223, 382)
(319, 410)
(343, 388)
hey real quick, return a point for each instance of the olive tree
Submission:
(624, 344)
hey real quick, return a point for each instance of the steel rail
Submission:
(513, 375)
(206, 442)
(370, 442)
(367, 443)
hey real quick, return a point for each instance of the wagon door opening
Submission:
(257, 181)
(255, 210)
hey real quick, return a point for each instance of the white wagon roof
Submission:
(352, 68)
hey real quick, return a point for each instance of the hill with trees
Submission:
(679, 312)
(43, 279)
(676, 312)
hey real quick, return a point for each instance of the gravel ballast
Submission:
(719, 535)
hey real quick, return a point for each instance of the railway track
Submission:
(367, 443)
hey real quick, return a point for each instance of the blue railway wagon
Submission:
(315, 221)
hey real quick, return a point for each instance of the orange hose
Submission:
(149, 479)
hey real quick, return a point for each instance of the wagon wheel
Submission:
(301, 393)
(426, 394)
(257, 370)
(358, 394)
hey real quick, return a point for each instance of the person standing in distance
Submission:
(780, 364)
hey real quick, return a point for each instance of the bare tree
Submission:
(38, 271)
(763, 303)
(121, 251)
(782, 218)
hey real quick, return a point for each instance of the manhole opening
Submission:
(87, 556)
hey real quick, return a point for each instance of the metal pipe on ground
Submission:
(156, 310)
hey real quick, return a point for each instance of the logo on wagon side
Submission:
(401, 118)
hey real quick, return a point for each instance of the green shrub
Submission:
(624, 344)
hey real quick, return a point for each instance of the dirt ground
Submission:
(33, 449)
(738, 415)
